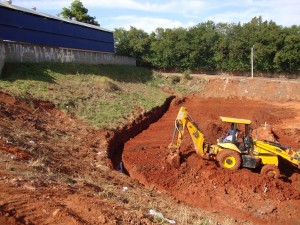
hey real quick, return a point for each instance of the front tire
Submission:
(229, 159)
(270, 170)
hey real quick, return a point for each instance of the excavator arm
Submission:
(183, 121)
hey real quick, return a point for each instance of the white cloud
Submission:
(176, 6)
(283, 12)
(125, 4)
(41, 5)
(229, 17)
(167, 13)
(147, 24)
(168, 6)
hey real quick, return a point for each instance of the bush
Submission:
(187, 74)
(157, 74)
(175, 79)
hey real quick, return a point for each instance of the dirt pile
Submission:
(48, 162)
(256, 89)
(36, 129)
(264, 133)
(244, 193)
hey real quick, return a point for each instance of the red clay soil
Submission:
(54, 170)
(31, 129)
(41, 150)
(274, 89)
(244, 194)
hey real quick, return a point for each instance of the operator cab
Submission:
(239, 133)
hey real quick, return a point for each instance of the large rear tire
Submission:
(229, 159)
(270, 170)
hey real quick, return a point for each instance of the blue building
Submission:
(30, 26)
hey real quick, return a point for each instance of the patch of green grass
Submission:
(179, 84)
(205, 221)
(104, 95)
(48, 72)
(9, 167)
(187, 74)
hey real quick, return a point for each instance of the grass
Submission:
(8, 166)
(187, 74)
(104, 95)
(111, 188)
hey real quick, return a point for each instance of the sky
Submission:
(149, 15)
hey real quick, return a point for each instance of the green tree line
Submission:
(215, 47)
(79, 12)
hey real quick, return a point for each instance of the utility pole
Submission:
(252, 61)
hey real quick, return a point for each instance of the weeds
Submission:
(157, 75)
(184, 218)
(175, 79)
(162, 221)
(9, 167)
(204, 222)
(103, 95)
(106, 96)
(30, 175)
(187, 74)
(38, 163)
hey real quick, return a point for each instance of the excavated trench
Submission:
(117, 139)
(244, 194)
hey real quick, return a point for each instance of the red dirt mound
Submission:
(53, 170)
(244, 193)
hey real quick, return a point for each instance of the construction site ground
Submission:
(72, 175)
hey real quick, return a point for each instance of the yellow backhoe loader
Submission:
(235, 152)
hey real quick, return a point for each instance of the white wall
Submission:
(12, 52)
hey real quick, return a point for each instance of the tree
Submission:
(287, 59)
(267, 38)
(209, 47)
(122, 42)
(203, 42)
(79, 12)
(134, 43)
(162, 48)
(139, 43)
(222, 47)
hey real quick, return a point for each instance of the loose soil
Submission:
(272, 105)
(56, 169)
(244, 193)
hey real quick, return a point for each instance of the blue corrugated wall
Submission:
(24, 27)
